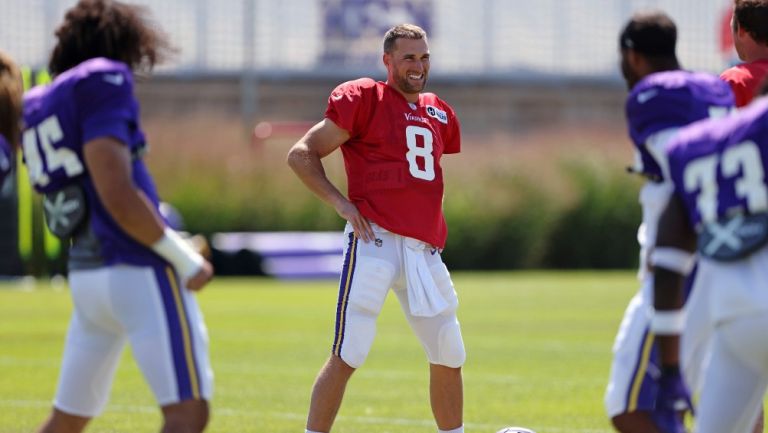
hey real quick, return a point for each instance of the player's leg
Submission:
(189, 416)
(91, 355)
(446, 395)
(759, 422)
(737, 377)
(62, 422)
(441, 338)
(696, 339)
(169, 342)
(696, 347)
(629, 397)
(368, 272)
(327, 393)
(635, 422)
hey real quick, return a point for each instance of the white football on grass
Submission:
(515, 430)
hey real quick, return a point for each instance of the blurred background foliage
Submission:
(559, 199)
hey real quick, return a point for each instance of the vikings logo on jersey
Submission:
(393, 155)
(663, 102)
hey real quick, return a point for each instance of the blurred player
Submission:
(10, 113)
(750, 38)
(130, 275)
(662, 99)
(392, 137)
(720, 209)
(6, 158)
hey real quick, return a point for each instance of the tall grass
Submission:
(557, 198)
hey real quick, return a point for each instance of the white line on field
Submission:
(291, 416)
(243, 368)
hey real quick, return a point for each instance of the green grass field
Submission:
(539, 349)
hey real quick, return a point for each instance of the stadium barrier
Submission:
(287, 255)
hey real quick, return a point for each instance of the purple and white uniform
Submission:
(718, 169)
(94, 99)
(122, 291)
(656, 108)
(665, 101)
(6, 163)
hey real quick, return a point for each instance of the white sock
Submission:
(310, 431)
(456, 430)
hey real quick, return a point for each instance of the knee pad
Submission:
(441, 335)
(371, 281)
(450, 348)
(356, 319)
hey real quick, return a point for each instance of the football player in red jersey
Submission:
(392, 136)
(750, 37)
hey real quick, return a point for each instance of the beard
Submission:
(407, 87)
(630, 77)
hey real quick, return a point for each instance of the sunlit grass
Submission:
(538, 355)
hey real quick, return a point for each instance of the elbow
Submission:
(296, 157)
(289, 159)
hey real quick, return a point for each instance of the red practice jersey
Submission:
(392, 157)
(744, 79)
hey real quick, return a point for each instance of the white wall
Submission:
(487, 37)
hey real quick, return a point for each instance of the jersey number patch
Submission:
(39, 146)
(416, 153)
(743, 159)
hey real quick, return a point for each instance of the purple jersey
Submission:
(667, 100)
(6, 163)
(92, 100)
(718, 166)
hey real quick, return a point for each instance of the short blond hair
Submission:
(402, 31)
(11, 89)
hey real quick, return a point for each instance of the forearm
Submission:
(309, 168)
(135, 215)
(305, 159)
(668, 320)
(673, 260)
(110, 167)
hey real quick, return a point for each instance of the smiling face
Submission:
(408, 67)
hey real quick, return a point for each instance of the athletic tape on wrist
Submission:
(179, 253)
(673, 259)
(667, 322)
